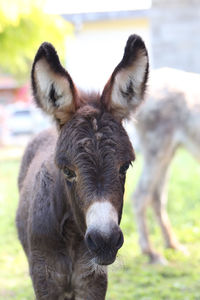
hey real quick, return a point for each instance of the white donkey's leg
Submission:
(160, 198)
(152, 189)
(143, 196)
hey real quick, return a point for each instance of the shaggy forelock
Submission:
(96, 145)
(96, 134)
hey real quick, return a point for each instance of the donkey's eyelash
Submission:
(62, 162)
(124, 168)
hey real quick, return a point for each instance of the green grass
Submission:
(130, 277)
(133, 278)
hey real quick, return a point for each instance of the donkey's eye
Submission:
(124, 168)
(69, 173)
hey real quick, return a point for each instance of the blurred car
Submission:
(23, 120)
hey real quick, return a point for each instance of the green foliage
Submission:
(130, 278)
(23, 27)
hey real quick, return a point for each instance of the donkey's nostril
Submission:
(98, 242)
(91, 243)
(120, 240)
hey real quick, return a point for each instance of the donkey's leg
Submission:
(91, 287)
(157, 154)
(47, 283)
(143, 196)
(160, 197)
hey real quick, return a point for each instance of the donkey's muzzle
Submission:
(104, 245)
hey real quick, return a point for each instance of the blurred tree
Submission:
(23, 27)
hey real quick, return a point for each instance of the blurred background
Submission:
(89, 37)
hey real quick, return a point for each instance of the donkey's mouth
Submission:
(104, 261)
(105, 257)
(103, 246)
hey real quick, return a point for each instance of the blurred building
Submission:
(99, 41)
(170, 29)
(175, 31)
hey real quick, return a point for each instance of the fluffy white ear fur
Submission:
(125, 90)
(53, 90)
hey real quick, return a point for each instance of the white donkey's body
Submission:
(169, 118)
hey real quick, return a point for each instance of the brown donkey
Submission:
(71, 180)
(169, 119)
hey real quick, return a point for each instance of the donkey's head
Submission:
(93, 150)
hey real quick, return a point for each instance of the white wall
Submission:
(92, 55)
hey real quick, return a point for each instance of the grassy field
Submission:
(130, 278)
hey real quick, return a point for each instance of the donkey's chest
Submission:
(70, 271)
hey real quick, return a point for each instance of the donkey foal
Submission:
(169, 119)
(71, 180)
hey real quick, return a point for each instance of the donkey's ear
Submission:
(53, 88)
(126, 87)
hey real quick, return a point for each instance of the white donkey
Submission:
(168, 119)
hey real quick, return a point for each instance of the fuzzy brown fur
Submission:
(93, 146)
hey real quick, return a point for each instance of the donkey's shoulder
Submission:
(44, 141)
